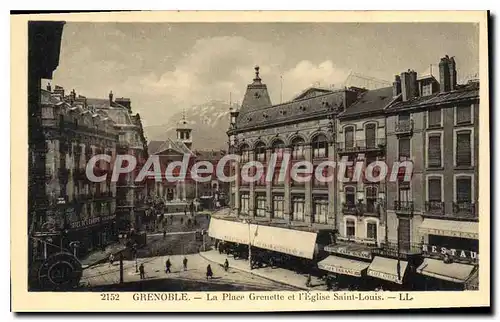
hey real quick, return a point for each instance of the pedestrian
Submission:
(209, 272)
(308, 280)
(182, 221)
(185, 210)
(328, 283)
(164, 233)
(185, 263)
(167, 266)
(194, 222)
(111, 259)
(226, 265)
(141, 271)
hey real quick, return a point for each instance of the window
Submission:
(350, 195)
(463, 147)
(276, 177)
(434, 158)
(349, 137)
(260, 152)
(371, 230)
(278, 204)
(463, 114)
(279, 149)
(320, 210)
(244, 203)
(404, 195)
(298, 149)
(434, 118)
(323, 176)
(262, 180)
(427, 90)
(434, 187)
(370, 133)
(350, 228)
(404, 149)
(320, 146)
(371, 199)
(298, 208)
(260, 209)
(404, 117)
(464, 190)
(245, 156)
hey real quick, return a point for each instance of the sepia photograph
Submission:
(329, 160)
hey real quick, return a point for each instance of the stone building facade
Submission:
(78, 210)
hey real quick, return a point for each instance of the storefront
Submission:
(347, 265)
(450, 255)
(296, 243)
(391, 271)
(91, 233)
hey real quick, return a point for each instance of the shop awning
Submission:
(342, 265)
(387, 269)
(453, 272)
(289, 241)
(351, 249)
(450, 228)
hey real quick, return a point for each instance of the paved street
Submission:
(106, 276)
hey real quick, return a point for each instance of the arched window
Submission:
(349, 137)
(371, 199)
(279, 148)
(370, 134)
(260, 152)
(350, 228)
(371, 229)
(245, 153)
(350, 195)
(298, 148)
(320, 146)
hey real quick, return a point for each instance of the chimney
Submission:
(72, 96)
(59, 90)
(405, 85)
(413, 84)
(396, 86)
(453, 73)
(49, 88)
(110, 97)
(444, 74)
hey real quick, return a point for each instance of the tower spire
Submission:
(257, 77)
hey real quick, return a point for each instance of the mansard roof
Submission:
(369, 102)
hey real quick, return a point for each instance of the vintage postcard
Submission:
(250, 161)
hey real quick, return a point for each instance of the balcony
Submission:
(402, 249)
(404, 127)
(103, 195)
(404, 207)
(350, 209)
(434, 208)
(361, 146)
(466, 210)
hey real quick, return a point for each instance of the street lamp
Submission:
(245, 221)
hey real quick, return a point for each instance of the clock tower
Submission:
(184, 132)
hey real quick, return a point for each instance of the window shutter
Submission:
(434, 118)
(463, 114)
(434, 151)
(370, 135)
(464, 193)
(349, 137)
(404, 148)
(435, 189)
(463, 148)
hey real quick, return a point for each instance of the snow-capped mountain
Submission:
(209, 122)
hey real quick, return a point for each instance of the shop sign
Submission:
(450, 233)
(457, 253)
(340, 270)
(85, 222)
(108, 217)
(385, 276)
(344, 250)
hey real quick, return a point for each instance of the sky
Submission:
(166, 67)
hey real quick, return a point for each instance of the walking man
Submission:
(167, 266)
(111, 259)
(164, 233)
(141, 271)
(185, 263)
(226, 265)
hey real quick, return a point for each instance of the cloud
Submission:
(215, 67)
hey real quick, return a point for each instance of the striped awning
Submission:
(388, 269)
(450, 228)
(344, 266)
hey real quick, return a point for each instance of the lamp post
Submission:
(249, 244)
